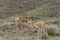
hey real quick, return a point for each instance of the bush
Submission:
(51, 29)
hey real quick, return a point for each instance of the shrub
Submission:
(51, 29)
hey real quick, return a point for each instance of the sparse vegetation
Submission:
(36, 10)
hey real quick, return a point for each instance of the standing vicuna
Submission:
(40, 29)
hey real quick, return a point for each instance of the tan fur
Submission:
(39, 24)
(24, 20)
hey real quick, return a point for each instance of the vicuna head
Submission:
(39, 24)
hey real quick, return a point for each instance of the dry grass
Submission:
(23, 31)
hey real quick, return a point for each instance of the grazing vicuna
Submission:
(25, 22)
(40, 29)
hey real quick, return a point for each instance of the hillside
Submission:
(12, 7)
(44, 8)
(16, 23)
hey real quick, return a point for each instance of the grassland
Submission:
(53, 38)
(40, 11)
